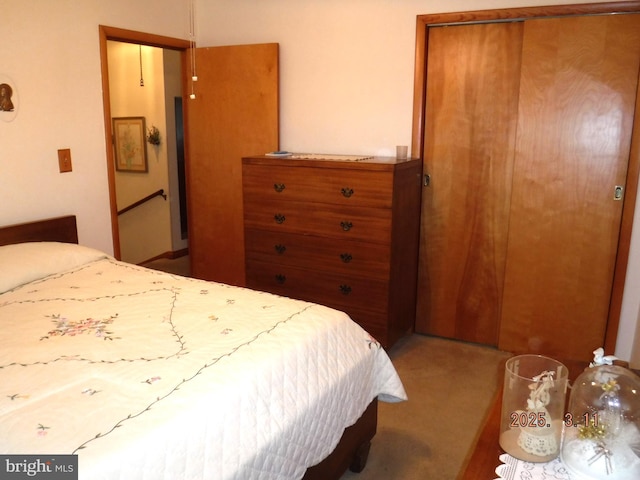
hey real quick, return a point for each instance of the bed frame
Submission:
(60, 229)
(352, 450)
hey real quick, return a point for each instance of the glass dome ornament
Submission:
(601, 435)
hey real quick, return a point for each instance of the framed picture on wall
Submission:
(129, 144)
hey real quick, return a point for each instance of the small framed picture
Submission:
(129, 144)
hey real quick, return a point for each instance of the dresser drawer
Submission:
(304, 214)
(334, 290)
(345, 257)
(318, 185)
(348, 223)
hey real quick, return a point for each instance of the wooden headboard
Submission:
(59, 229)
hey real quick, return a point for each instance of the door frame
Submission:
(424, 22)
(139, 38)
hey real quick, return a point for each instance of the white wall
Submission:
(346, 66)
(50, 51)
(346, 87)
(628, 346)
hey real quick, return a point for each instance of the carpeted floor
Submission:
(179, 266)
(450, 386)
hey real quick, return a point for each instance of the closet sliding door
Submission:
(579, 79)
(470, 130)
(527, 136)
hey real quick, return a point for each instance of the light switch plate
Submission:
(64, 160)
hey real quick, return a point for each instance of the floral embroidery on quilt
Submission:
(84, 326)
(16, 396)
(372, 342)
(105, 326)
(184, 381)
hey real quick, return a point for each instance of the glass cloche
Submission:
(601, 435)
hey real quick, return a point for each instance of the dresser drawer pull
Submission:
(346, 226)
(280, 249)
(280, 278)
(346, 257)
(279, 218)
(345, 289)
(347, 192)
(278, 187)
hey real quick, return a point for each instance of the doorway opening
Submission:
(164, 175)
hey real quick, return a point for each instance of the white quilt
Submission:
(147, 375)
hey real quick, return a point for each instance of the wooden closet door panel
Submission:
(578, 87)
(471, 112)
(234, 114)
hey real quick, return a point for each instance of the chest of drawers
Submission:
(342, 233)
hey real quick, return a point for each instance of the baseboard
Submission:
(171, 255)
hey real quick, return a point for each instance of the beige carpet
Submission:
(179, 266)
(450, 386)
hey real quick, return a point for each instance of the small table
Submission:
(484, 460)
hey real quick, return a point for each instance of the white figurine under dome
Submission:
(601, 437)
(533, 439)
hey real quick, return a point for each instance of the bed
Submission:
(149, 375)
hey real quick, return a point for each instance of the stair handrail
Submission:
(159, 193)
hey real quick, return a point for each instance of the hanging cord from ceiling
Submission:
(140, 55)
(192, 45)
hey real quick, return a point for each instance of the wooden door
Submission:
(234, 114)
(470, 131)
(577, 98)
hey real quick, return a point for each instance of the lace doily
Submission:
(514, 469)
(532, 442)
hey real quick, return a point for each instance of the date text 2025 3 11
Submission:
(533, 419)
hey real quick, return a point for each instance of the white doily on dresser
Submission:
(514, 469)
